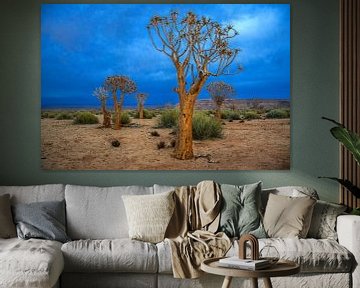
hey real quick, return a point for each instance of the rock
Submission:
(115, 143)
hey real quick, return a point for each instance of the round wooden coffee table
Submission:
(281, 268)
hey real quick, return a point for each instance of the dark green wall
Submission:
(314, 73)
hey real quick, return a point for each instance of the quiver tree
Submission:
(199, 48)
(124, 85)
(141, 97)
(102, 94)
(219, 91)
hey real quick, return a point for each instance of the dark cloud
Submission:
(83, 44)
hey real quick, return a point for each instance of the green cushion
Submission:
(240, 213)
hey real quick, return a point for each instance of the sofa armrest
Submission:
(348, 230)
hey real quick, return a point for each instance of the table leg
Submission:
(254, 282)
(267, 283)
(227, 282)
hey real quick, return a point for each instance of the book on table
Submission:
(236, 262)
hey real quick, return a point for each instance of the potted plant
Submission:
(351, 141)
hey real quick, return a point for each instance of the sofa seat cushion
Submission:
(115, 255)
(313, 255)
(30, 263)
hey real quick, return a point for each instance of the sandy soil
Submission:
(251, 145)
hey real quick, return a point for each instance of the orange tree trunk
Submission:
(117, 124)
(106, 117)
(141, 111)
(117, 107)
(218, 112)
(117, 114)
(184, 143)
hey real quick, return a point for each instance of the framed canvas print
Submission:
(165, 86)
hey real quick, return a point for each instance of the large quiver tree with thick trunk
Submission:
(124, 85)
(199, 48)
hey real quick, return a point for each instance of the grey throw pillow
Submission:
(7, 226)
(44, 220)
(240, 213)
(323, 222)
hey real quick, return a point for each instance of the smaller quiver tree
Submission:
(102, 94)
(219, 91)
(124, 85)
(141, 97)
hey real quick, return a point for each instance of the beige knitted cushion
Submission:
(149, 215)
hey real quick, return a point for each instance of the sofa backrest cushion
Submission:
(291, 191)
(163, 188)
(36, 193)
(98, 213)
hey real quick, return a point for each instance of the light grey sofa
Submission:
(101, 255)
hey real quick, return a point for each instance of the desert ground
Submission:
(249, 145)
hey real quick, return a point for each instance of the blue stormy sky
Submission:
(82, 44)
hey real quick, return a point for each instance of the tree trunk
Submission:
(141, 111)
(117, 117)
(117, 109)
(218, 113)
(106, 116)
(184, 143)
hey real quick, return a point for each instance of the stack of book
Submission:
(248, 264)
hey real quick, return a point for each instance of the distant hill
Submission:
(240, 104)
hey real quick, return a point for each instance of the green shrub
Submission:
(48, 114)
(230, 115)
(64, 116)
(205, 127)
(124, 118)
(44, 115)
(85, 118)
(168, 118)
(147, 114)
(208, 112)
(250, 115)
(278, 114)
(132, 113)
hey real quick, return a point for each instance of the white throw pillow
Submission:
(149, 215)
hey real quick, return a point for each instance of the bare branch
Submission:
(198, 46)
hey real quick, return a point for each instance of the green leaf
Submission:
(347, 184)
(355, 211)
(333, 121)
(349, 139)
